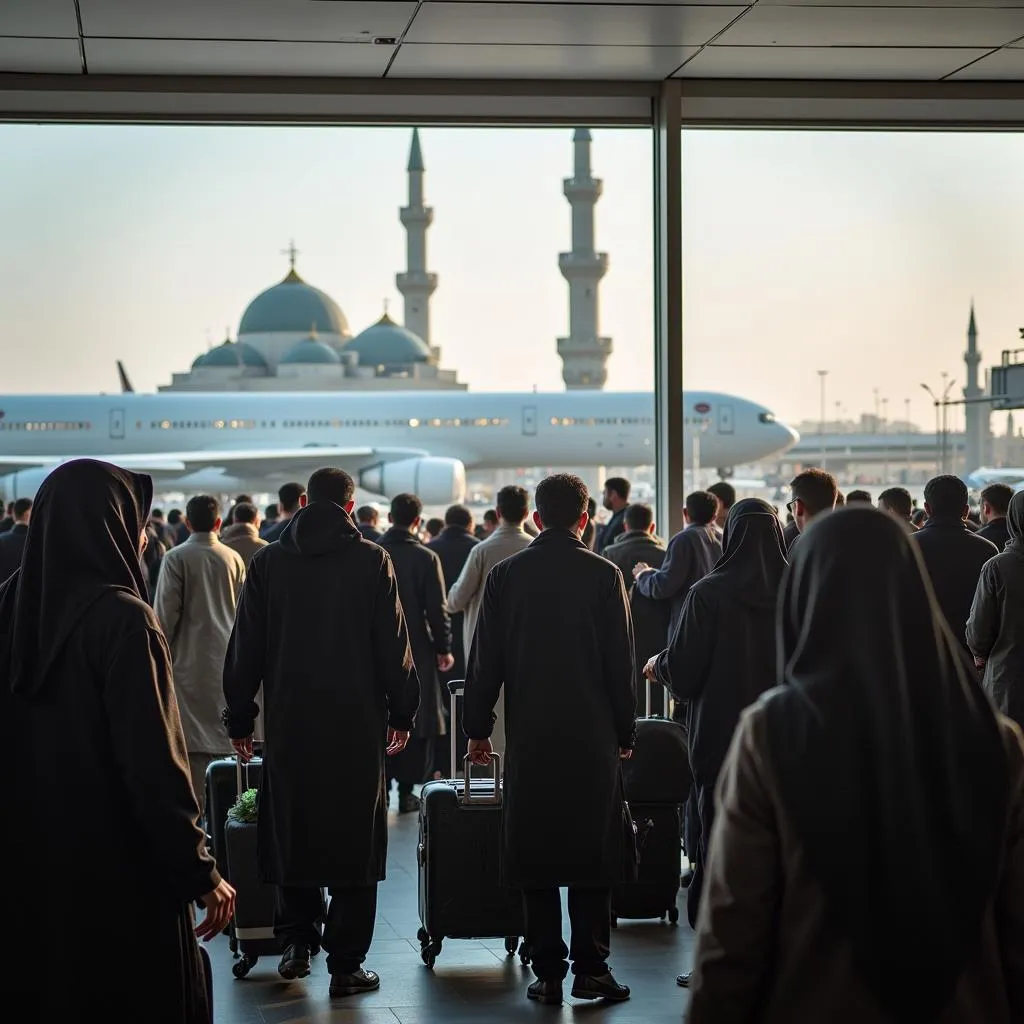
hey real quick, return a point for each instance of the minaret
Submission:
(977, 415)
(416, 284)
(584, 352)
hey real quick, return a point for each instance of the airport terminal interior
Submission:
(645, 74)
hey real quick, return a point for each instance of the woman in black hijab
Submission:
(869, 861)
(722, 656)
(104, 856)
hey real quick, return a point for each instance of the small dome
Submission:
(232, 353)
(200, 360)
(311, 350)
(292, 306)
(386, 343)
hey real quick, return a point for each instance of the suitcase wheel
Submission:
(240, 968)
(422, 936)
(429, 951)
(673, 915)
(511, 944)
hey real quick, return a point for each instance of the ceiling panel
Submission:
(998, 66)
(452, 60)
(877, 26)
(346, 20)
(53, 18)
(892, 3)
(564, 24)
(40, 56)
(216, 57)
(852, 63)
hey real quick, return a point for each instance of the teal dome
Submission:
(293, 306)
(232, 353)
(311, 350)
(386, 343)
(200, 360)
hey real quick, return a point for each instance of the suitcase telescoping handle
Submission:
(457, 687)
(241, 774)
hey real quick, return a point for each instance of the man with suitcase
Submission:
(555, 632)
(320, 626)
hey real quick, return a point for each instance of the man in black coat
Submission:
(555, 631)
(8, 520)
(692, 554)
(291, 498)
(995, 503)
(616, 501)
(12, 543)
(367, 518)
(952, 554)
(815, 493)
(421, 588)
(320, 626)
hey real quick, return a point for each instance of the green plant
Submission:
(246, 807)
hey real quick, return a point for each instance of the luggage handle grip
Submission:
(239, 769)
(456, 687)
(467, 788)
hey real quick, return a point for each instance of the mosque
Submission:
(294, 337)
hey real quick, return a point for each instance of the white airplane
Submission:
(981, 478)
(419, 441)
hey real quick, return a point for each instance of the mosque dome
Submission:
(386, 343)
(200, 360)
(231, 353)
(290, 307)
(310, 350)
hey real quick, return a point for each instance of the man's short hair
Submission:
(618, 485)
(639, 516)
(367, 514)
(174, 517)
(155, 513)
(22, 506)
(458, 515)
(490, 516)
(245, 512)
(434, 526)
(855, 497)
(202, 512)
(591, 506)
(840, 499)
(405, 509)
(946, 496)
(288, 495)
(271, 512)
(330, 484)
(816, 488)
(701, 507)
(561, 501)
(513, 503)
(724, 492)
(998, 496)
(898, 501)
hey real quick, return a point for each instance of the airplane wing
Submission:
(284, 461)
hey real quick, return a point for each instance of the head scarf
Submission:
(1015, 523)
(753, 553)
(83, 541)
(890, 760)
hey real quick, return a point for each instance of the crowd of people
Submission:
(851, 683)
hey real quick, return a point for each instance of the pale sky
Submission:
(856, 253)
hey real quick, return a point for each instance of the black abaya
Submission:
(105, 859)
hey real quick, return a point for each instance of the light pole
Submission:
(885, 439)
(906, 428)
(935, 402)
(945, 432)
(822, 374)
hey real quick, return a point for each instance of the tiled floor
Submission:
(471, 981)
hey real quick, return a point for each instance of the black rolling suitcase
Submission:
(458, 857)
(656, 780)
(221, 793)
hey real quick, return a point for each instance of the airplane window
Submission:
(767, 417)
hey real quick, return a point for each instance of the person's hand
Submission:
(625, 753)
(640, 568)
(397, 740)
(445, 662)
(220, 907)
(480, 751)
(979, 662)
(243, 748)
(651, 669)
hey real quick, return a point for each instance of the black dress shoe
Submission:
(547, 992)
(295, 962)
(683, 980)
(603, 987)
(351, 984)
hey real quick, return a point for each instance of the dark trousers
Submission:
(590, 918)
(412, 766)
(347, 930)
(705, 802)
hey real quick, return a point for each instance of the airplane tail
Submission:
(126, 384)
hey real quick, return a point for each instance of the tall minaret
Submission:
(584, 352)
(977, 415)
(416, 284)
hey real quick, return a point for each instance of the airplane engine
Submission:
(23, 484)
(435, 481)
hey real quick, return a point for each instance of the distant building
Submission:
(977, 414)
(294, 337)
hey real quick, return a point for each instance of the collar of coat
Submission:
(401, 535)
(554, 536)
(202, 538)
